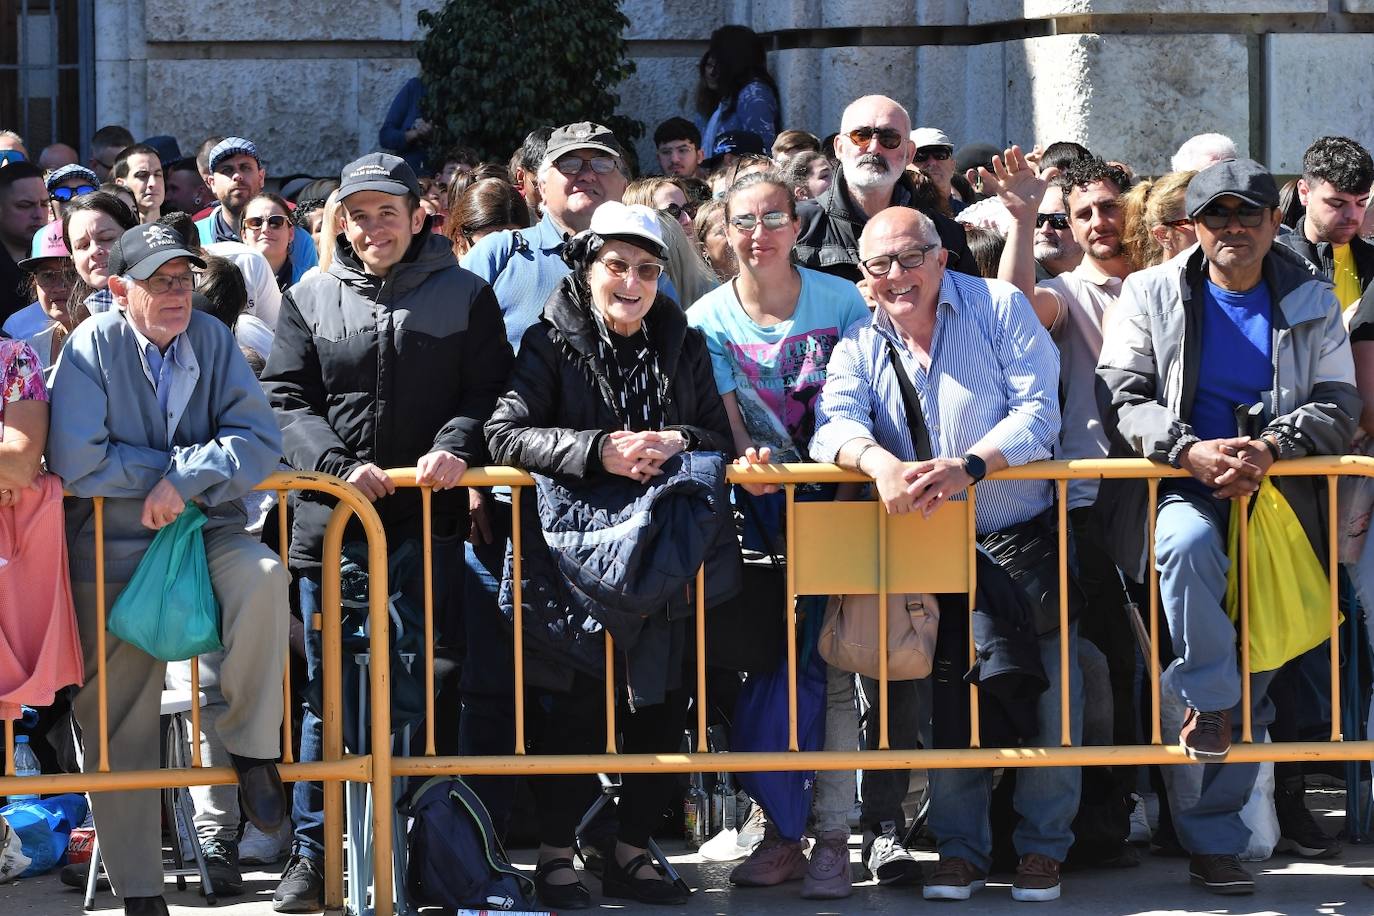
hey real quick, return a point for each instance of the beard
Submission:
(870, 171)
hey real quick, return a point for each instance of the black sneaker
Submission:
(222, 865)
(302, 887)
(1299, 832)
(76, 875)
(1220, 875)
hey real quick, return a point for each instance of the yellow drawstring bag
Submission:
(1290, 596)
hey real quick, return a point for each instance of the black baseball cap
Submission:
(739, 142)
(1243, 178)
(379, 172)
(143, 249)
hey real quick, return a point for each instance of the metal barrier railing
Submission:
(832, 548)
(335, 768)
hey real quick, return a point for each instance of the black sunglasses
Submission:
(940, 153)
(1057, 220)
(888, 137)
(1217, 217)
(66, 194)
(676, 210)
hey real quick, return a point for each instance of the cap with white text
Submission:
(379, 172)
(143, 249)
(582, 135)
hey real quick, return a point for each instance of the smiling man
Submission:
(1231, 324)
(986, 398)
(394, 357)
(153, 408)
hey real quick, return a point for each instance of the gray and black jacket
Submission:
(1148, 371)
(1320, 260)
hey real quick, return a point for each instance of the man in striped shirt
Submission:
(985, 375)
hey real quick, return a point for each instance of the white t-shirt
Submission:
(264, 298)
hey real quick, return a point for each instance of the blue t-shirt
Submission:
(777, 372)
(1236, 365)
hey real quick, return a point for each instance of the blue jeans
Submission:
(1046, 797)
(307, 798)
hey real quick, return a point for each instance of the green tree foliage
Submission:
(496, 69)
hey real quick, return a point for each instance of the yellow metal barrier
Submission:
(336, 768)
(833, 548)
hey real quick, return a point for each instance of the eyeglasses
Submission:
(1057, 220)
(912, 258)
(676, 210)
(888, 137)
(53, 277)
(573, 165)
(66, 194)
(773, 219)
(275, 221)
(1217, 217)
(1182, 222)
(161, 285)
(939, 153)
(649, 271)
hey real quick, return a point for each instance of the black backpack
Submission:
(455, 859)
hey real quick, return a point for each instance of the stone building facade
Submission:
(311, 80)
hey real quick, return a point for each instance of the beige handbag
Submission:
(849, 634)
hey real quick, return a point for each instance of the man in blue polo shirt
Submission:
(237, 175)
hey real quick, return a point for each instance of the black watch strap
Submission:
(975, 467)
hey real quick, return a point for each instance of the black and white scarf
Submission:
(632, 369)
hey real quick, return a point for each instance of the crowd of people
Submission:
(174, 332)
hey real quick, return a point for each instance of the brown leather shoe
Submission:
(1206, 736)
(1037, 879)
(1220, 875)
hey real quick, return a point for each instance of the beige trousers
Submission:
(251, 586)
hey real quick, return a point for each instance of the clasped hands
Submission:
(1231, 467)
(640, 456)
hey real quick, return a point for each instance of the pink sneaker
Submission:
(773, 861)
(827, 874)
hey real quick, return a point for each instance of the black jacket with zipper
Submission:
(384, 370)
(558, 407)
(1320, 259)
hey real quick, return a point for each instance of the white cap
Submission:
(930, 136)
(636, 221)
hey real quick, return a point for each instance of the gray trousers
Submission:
(251, 586)
(216, 807)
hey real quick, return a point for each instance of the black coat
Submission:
(1320, 259)
(828, 237)
(377, 370)
(552, 419)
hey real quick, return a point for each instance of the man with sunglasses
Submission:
(23, 211)
(154, 408)
(962, 360)
(934, 155)
(1192, 343)
(874, 151)
(68, 183)
(1056, 250)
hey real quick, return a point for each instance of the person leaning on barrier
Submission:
(153, 407)
(391, 358)
(1263, 327)
(610, 380)
(986, 375)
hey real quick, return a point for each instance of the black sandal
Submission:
(573, 896)
(621, 882)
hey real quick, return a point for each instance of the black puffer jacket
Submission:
(828, 238)
(1320, 259)
(552, 418)
(384, 370)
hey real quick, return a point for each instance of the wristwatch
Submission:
(975, 467)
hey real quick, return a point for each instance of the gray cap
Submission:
(379, 172)
(582, 135)
(143, 249)
(1243, 178)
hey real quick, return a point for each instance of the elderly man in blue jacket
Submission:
(153, 406)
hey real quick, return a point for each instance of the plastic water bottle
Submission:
(25, 764)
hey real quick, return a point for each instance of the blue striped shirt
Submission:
(994, 375)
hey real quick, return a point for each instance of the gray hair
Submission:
(1200, 151)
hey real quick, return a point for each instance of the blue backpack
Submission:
(455, 859)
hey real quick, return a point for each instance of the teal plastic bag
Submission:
(168, 609)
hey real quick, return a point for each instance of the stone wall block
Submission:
(848, 73)
(780, 15)
(982, 12)
(300, 20)
(661, 88)
(378, 82)
(961, 91)
(871, 13)
(942, 12)
(410, 9)
(677, 20)
(296, 130)
(1358, 6)
(1044, 9)
(1317, 85)
(798, 72)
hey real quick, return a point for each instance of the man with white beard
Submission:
(874, 149)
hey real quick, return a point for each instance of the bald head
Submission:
(57, 155)
(896, 223)
(875, 109)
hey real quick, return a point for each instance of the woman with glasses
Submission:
(771, 331)
(609, 381)
(44, 324)
(265, 226)
(667, 195)
(1157, 224)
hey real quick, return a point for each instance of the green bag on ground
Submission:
(168, 609)
(1290, 596)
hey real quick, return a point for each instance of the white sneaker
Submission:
(1140, 822)
(257, 848)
